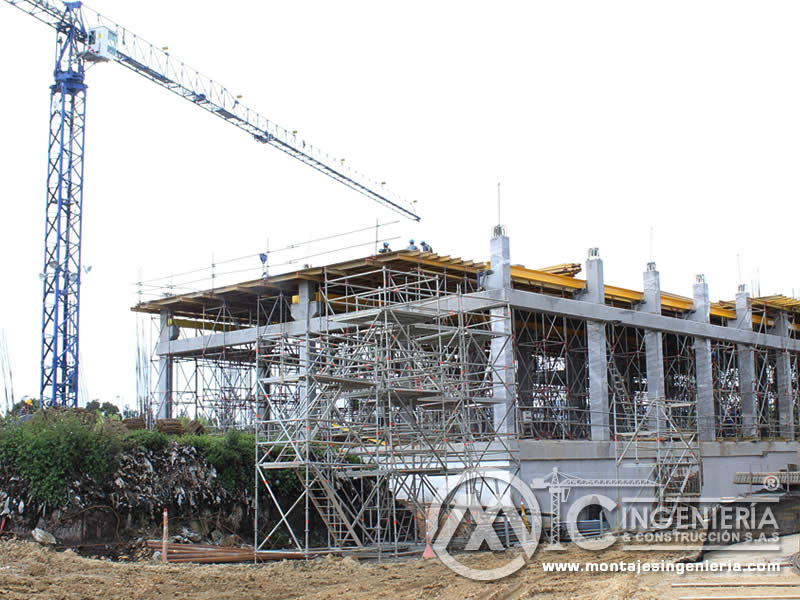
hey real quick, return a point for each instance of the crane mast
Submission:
(61, 274)
(83, 35)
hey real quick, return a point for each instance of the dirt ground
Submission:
(28, 570)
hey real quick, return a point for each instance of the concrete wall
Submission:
(722, 460)
(595, 460)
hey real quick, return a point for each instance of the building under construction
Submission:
(377, 379)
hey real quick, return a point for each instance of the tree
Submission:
(106, 409)
(109, 409)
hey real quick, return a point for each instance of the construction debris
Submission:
(44, 538)
(198, 553)
(180, 553)
(134, 423)
(170, 426)
(195, 428)
(146, 481)
(143, 483)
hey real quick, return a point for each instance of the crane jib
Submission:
(263, 136)
(103, 40)
(157, 65)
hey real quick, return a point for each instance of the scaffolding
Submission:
(552, 376)
(627, 379)
(386, 391)
(215, 386)
(656, 431)
(727, 398)
(374, 384)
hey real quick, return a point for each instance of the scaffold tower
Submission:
(374, 396)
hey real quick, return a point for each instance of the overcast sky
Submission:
(602, 120)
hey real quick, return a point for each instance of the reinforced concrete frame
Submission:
(377, 380)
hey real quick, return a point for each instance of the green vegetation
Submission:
(153, 441)
(49, 450)
(233, 456)
(106, 409)
(55, 447)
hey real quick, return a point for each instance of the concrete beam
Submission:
(579, 309)
(239, 337)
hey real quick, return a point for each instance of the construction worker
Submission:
(426, 247)
(411, 245)
(385, 249)
(26, 411)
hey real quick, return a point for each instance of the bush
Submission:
(154, 441)
(232, 456)
(57, 447)
(52, 449)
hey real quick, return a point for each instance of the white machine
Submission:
(102, 44)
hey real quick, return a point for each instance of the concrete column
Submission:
(307, 306)
(704, 378)
(783, 371)
(304, 310)
(745, 363)
(654, 350)
(166, 333)
(502, 351)
(598, 354)
(500, 275)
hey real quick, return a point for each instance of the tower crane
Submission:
(84, 36)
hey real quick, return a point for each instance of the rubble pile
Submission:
(13, 494)
(144, 482)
